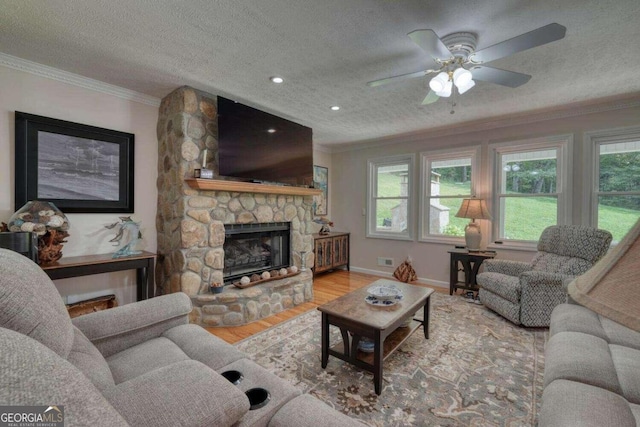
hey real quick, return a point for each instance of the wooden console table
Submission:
(77, 266)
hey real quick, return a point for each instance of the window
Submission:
(531, 187)
(616, 178)
(447, 177)
(389, 206)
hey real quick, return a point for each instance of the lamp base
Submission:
(472, 236)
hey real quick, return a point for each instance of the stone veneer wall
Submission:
(190, 222)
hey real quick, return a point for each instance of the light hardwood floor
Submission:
(326, 287)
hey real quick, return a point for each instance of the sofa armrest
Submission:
(505, 266)
(119, 328)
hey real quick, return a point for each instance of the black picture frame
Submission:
(80, 168)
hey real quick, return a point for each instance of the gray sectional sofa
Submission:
(592, 371)
(140, 364)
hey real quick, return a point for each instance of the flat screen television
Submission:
(259, 146)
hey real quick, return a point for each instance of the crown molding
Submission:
(565, 111)
(31, 67)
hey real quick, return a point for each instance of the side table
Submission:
(469, 263)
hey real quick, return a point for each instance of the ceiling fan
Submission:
(457, 63)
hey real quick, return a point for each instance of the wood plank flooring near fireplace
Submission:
(326, 287)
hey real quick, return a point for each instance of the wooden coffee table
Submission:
(352, 314)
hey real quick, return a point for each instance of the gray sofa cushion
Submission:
(32, 374)
(31, 303)
(202, 346)
(142, 358)
(575, 318)
(307, 411)
(184, 393)
(627, 363)
(86, 357)
(592, 371)
(620, 334)
(580, 357)
(570, 403)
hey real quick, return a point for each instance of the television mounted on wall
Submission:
(258, 146)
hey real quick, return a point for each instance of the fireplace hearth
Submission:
(254, 248)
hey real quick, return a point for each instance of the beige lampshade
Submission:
(611, 287)
(474, 209)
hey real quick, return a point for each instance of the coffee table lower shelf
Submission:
(363, 359)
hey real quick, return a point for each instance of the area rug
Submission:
(477, 369)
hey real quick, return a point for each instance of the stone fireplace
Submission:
(193, 223)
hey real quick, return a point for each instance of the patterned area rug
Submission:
(477, 369)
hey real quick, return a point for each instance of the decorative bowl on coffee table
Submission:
(384, 293)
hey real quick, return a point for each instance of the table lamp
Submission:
(474, 209)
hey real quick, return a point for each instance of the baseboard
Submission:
(421, 280)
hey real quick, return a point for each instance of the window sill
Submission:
(389, 236)
(444, 240)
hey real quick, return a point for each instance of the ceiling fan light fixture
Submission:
(446, 92)
(439, 82)
(463, 88)
(461, 77)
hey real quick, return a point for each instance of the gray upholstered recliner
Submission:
(527, 293)
(140, 364)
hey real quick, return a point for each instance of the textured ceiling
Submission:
(327, 50)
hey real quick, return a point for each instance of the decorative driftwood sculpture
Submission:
(50, 246)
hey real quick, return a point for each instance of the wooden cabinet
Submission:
(331, 251)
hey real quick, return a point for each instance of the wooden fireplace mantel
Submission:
(249, 187)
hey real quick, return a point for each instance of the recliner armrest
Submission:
(119, 328)
(505, 266)
(535, 278)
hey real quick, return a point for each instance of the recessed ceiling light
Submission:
(335, 108)
(272, 130)
(276, 79)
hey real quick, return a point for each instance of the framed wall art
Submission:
(321, 181)
(80, 168)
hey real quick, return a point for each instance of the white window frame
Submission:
(426, 160)
(564, 185)
(593, 141)
(373, 165)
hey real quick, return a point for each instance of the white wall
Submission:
(29, 93)
(348, 184)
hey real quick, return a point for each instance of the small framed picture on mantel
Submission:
(321, 181)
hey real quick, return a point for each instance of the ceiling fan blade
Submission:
(543, 35)
(430, 43)
(431, 98)
(400, 77)
(498, 76)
